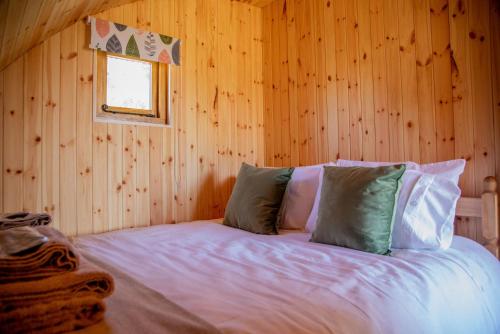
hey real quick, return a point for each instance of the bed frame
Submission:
(486, 208)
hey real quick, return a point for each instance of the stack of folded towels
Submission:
(45, 287)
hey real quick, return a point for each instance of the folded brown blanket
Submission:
(88, 280)
(58, 316)
(56, 256)
(16, 219)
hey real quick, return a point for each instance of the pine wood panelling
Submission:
(94, 177)
(405, 80)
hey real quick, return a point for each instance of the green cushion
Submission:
(357, 206)
(256, 199)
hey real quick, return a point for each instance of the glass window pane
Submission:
(129, 83)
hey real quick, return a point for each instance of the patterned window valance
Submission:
(121, 39)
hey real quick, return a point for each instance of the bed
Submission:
(242, 282)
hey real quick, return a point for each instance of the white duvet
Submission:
(247, 283)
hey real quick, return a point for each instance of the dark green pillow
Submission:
(256, 199)
(357, 206)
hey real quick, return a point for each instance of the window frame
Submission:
(160, 102)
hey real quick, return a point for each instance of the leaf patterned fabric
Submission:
(121, 39)
(114, 45)
(132, 49)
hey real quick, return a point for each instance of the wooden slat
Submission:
(223, 134)
(306, 82)
(394, 83)
(155, 142)
(462, 99)
(32, 181)
(67, 130)
(1, 139)
(84, 132)
(189, 91)
(283, 84)
(12, 143)
(143, 216)
(366, 81)
(321, 81)
(382, 132)
(409, 90)
(100, 187)
(355, 113)
(495, 75)
(331, 86)
(277, 111)
(311, 112)
(129, 145)
(442, 79)
(50, 127)
(425, 84)
(469, 207)
(168, 140)
(292, 81)
(267, 84)
(480, 54)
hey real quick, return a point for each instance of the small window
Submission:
(131, 89)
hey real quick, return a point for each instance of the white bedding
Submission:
(247, 283)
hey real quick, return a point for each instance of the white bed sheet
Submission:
(247, 283)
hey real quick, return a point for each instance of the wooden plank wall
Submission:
(95, 177)
(386, 80)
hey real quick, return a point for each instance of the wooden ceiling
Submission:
(25, 23)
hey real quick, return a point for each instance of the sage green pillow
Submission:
(357, 205)
(256, 199)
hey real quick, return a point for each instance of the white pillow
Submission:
(313, 216)
(425, 210)
(299, 197)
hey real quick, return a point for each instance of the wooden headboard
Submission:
(486, 208)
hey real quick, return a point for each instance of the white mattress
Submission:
(247, 283)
